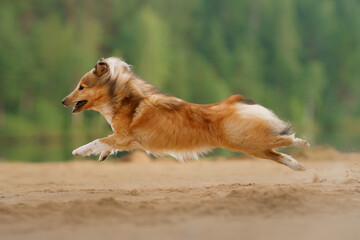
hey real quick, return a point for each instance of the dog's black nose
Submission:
(63, 101)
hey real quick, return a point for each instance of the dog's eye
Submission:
(81, 87)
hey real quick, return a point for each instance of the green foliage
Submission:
(297, 57)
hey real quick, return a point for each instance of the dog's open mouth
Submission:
(79, 105)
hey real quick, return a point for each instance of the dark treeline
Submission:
(300, 58)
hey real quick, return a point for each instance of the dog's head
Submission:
(93, 88)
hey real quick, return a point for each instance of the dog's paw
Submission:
(82, 151)
(300, 143)
(297, 166)
(104, 155)
(291, 163)
(94, 147)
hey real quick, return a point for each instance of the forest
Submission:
(299, 58)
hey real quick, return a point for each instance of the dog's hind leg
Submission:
(287, 141)
(280, 158)
(298, 142)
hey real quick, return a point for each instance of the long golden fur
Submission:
(144, 118)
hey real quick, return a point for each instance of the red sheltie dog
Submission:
(144, 118)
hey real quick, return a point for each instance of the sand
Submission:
(139, 198)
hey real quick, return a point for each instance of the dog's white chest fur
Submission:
(107, 111)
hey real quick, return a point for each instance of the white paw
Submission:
(94, 147)
(297, 166)
(82, 151)
(300, 143)
(292, 163)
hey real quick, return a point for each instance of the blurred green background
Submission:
(300, 58)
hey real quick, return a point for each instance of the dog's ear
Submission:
(101, 67)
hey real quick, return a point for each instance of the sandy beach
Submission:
(143, 198)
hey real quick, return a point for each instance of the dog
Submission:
(142, 117)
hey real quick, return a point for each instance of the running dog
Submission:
(142, 117)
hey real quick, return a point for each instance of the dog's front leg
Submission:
(94, 147)
(103, 146)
